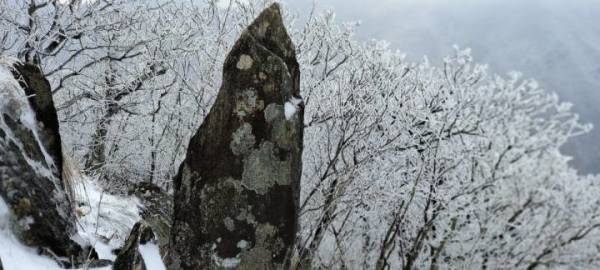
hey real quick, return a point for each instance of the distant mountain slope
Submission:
(555, 42)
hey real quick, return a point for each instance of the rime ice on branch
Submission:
(236, 193)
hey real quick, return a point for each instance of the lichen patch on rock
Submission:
(247, 103)
(242, 140)
(263, 169)
(273, 112)
(261, 254)
(245, 62)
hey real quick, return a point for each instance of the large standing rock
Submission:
(30, 164)
(236, 193)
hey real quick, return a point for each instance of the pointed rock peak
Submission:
(268, 31)
(271, 16)
(237, 191)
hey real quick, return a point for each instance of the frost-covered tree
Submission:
(130, 78)
(415, 166)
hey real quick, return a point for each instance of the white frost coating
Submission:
(291, 107)
(151, 255)
(224, 4)
(13, 102)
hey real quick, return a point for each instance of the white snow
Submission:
(151, 255)
(16, 256)
(105, 220)
(291, 107)
(290, 110)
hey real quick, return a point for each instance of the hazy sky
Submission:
(554, 41)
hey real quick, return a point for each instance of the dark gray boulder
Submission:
(129, 257)
(30, 166)
(237, 191)
(157, 211)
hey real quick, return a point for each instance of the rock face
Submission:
(39, 93)
(237, 191)
(157, 211)
(30, 164)
(129, 257)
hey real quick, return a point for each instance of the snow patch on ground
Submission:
(151, 255)
(105, 220)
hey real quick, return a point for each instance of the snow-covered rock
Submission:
(39, 227)
(104, 222)
(30, 178)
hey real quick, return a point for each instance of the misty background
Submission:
(555, 42)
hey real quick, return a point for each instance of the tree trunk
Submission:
(96, 156)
